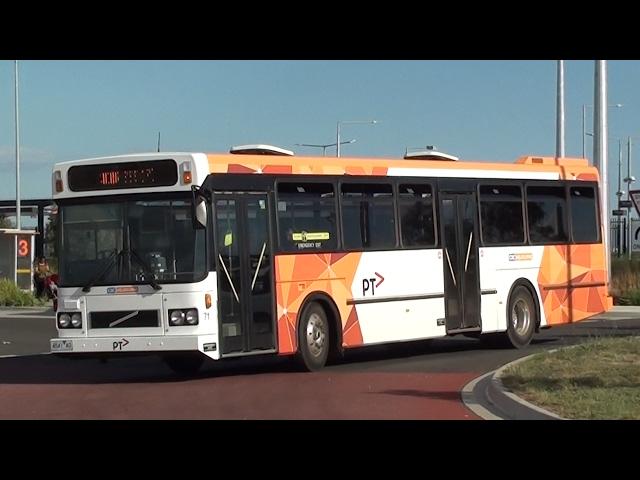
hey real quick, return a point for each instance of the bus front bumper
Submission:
(206, 344)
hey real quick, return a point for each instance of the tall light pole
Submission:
(18, 206)
(619, 194)
(584, 121)
(600, 154)
(346, 122)
(629, 180)
(18, 211)
(324, 146)
(560, 111)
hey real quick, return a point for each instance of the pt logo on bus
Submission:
(118, 345)
(370, 284)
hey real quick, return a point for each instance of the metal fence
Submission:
(618, 237)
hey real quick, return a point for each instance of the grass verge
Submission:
(12, 296)
(599, 379)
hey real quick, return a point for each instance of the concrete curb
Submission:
(490, 390)
(470, 399)
(498, 389)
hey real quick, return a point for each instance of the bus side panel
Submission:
(500, 267)
(381, 296)
(572, 282)
(399, 295)
(299, 275)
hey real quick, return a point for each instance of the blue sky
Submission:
(477, 110)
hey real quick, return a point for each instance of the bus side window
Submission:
(306, 216)
(501, 214)
(547, 214)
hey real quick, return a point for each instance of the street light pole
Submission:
(584, 133)
(560, 111)
(344, 122)
(18, 211)
(584, 123)
(629, 180)
(325, 145)
(600, 154)
(619, 195)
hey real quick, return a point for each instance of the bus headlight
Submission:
(192, 317)
(176, 317)
(188, 316)
(64, 320)
(76, 320)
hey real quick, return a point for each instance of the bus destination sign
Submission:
(154, 173)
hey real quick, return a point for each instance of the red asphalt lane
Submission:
(279, 396)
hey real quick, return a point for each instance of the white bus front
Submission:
(134, 270)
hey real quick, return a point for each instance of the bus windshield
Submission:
(141, 237)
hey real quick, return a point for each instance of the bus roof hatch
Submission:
(260, 149)
(427, 153)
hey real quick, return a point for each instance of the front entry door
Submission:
(459, 220)
(243, 265)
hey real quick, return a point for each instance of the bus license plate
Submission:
(61, 346)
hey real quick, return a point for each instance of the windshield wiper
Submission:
(115, 255)
(146, 269)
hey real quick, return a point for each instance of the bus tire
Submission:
(521, 317)
(313, 337)
(184, 363)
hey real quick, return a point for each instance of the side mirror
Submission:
(198, 209)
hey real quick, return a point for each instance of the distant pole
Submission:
(338, 140)
(584, 134)
(600, 133)
(628, 180)
(158, 141)
(619, 194)
(18, 211)
(560, 111)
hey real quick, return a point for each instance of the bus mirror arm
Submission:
(198, 208)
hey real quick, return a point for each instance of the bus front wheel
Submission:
(313, 337)
(522, 317)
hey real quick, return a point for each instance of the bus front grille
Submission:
(124, 319)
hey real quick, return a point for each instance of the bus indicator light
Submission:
(57, 179)
(186, 173)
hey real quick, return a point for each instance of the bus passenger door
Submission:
(459, 223)
(243, 265)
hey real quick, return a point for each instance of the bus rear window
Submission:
(584, 215)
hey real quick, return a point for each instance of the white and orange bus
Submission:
(260, 251)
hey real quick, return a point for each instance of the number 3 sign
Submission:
(23, 247)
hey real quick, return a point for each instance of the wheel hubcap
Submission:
(521, 317)
(316, 335)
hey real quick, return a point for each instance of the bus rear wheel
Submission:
(522, 317)
(184, 363)
(313, 337)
